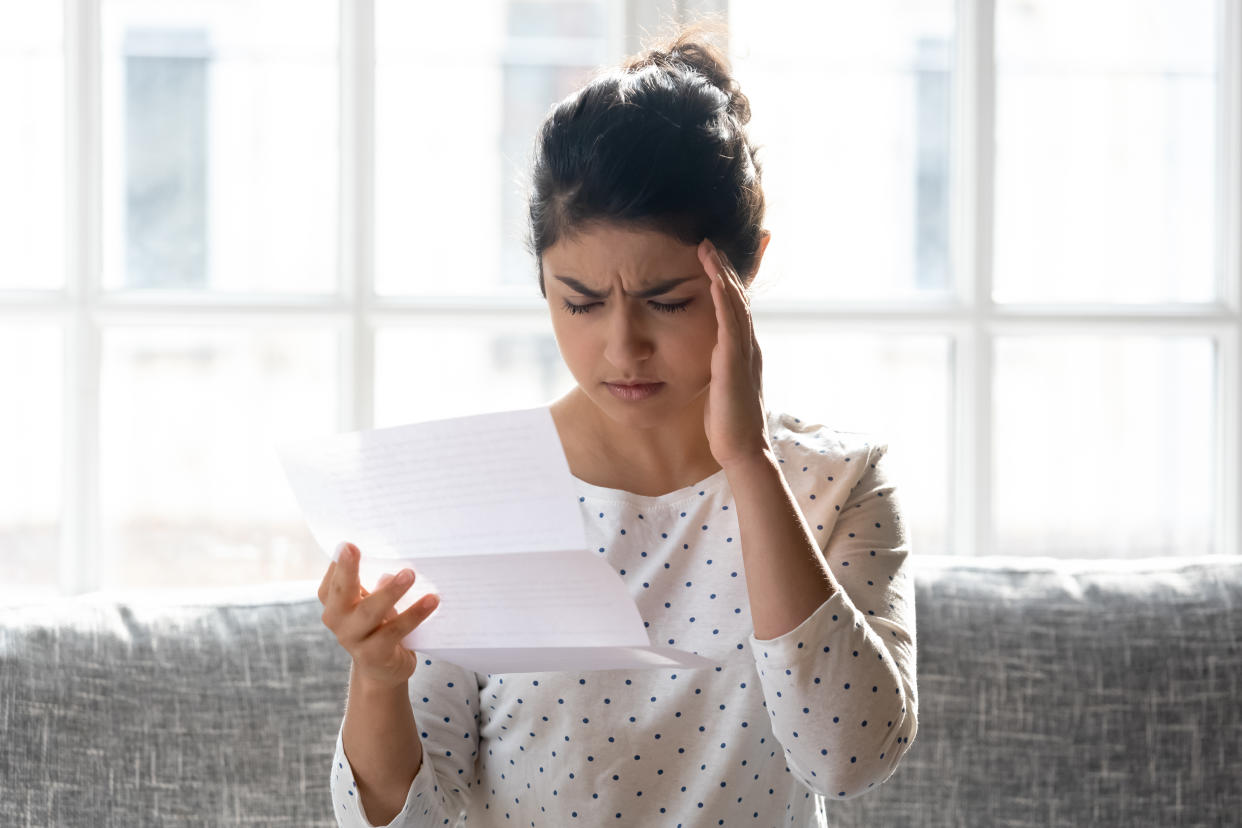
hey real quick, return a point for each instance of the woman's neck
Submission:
(644, 461)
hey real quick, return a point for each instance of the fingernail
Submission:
(340, 550)
(404, 577)
(431, 602)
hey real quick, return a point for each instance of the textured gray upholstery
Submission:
(1072, 693)
(1050, 693)
(142, 713)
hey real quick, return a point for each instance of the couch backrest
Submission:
(1050, 693)
(1071, 693)
(148, 713)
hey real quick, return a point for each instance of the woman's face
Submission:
(632, 306)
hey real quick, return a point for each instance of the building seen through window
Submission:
(166, 157)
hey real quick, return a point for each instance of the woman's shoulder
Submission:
(797, 437)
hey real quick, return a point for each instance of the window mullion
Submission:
(1229, 275)
(81, 567)
(973, 117)
(357, 165)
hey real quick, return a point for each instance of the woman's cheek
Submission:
(704, 344)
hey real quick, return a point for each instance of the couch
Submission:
(1103, 693)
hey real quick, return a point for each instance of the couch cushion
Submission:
(1071, 693)
(169, 709)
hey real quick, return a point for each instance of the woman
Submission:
(773, 547)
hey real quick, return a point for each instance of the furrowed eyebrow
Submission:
(654, 290)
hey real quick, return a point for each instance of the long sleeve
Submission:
(840, 688)
(445, 700)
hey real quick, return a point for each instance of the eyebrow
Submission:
(654, 290)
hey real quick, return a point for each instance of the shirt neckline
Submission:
(704, 487)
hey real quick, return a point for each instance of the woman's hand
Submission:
(367, 624)
(734, 416)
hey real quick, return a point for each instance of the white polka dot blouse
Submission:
(770, 736)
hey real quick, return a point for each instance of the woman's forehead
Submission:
(637, 231)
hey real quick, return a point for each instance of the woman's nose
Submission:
(628, 338)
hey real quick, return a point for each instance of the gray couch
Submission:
(1051, 693)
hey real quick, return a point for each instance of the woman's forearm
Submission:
(381, 742)
(786, 576)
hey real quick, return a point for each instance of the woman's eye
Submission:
(660, 306)
(577, 309)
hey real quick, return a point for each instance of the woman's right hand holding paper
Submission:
(367, 624)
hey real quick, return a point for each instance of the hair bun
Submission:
(692, 47)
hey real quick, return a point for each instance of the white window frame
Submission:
(969, 318)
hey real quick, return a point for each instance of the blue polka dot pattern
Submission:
(766, 736)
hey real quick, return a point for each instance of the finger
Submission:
(727, 270)
(726, 317)
(726, 314)
(326, 582)
(343, 593)
(384, 579)
(737, 291)
(740, 302)
(407, 621)
(371, 610)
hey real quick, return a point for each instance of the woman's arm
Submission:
(379, 735)
(786, 576)
(381, 742)
(841, 686)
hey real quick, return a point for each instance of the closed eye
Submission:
(660, 306)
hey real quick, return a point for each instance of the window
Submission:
(1006, 246)
(165, 158)
(1004, 239)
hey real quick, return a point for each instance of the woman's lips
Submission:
(634, 393)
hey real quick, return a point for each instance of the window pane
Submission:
(883, 373)
(851, 108)
(1104, 446)
(31, 146)
(1105, 150)
(220, 145)
(478, 366)
(450, 213)
(32, 374)
(191, 488)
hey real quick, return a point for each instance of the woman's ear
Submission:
(763, 245)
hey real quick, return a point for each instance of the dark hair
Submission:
(657, 143)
